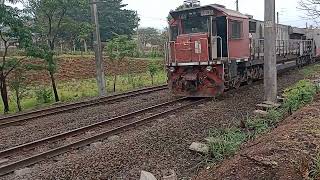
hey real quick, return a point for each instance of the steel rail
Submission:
(10, 120)
(83, 142)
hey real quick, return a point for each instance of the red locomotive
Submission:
(212, 49)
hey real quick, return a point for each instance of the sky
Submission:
(153, 13)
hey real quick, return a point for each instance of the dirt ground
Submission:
(76, 68)
(284, 153)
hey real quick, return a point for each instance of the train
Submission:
(212, 49)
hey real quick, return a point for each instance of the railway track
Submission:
(31, 153)
(20, 118)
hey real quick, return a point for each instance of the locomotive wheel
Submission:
(236, 83)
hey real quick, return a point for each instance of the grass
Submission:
(315, 171)
(224, 143)
(74, 90)
(311, 71)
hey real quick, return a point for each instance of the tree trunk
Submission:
(152, 80)
(4, 94)
(85, 46)
(54, 87)
(114, 83)
(74, 47)
(61, 48)
(18, 100)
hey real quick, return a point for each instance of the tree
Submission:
(148, 35)
(18, 84)
(153, 69)
(115, 20)
(117, 49)
(312, 8)
(13, 32)
(49, 15)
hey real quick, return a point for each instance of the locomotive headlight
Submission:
(209, 68)
(172, 69)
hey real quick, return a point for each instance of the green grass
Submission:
(77, 89)
(315, 170)
(311, 71)
(224, 143)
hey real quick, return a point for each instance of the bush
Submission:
(224, 143)
(298, 95)
(44, 95)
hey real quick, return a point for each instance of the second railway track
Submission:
(20, 118)
(31, 153)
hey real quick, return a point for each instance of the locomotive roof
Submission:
(220, 8)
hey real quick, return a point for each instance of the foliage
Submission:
(43, 95)
(310, 71)
(299, 94)
(153, 68)
(18, 84)
(116, 20)
(152, 36)
(13, 32)
(120, 47)
(315, 171)
(224, 143)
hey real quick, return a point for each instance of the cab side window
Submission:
(236, 29)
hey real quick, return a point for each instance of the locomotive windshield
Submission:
(195, 25)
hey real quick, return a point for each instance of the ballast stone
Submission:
(147, 176)
(172, 176)
(199, 147)
(260, 113)
(22, 172)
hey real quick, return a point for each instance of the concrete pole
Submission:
(98, 52)
(270, 70)
(237, 5)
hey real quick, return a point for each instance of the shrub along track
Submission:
(287, 152)
(23, 117)
(31, 153)
(46, 126)
(157, 146)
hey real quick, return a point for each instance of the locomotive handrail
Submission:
(220, 38)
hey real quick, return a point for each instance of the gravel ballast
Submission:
(54, 124)
(158, 146)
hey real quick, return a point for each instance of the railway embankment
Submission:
(283, 145)
(290, 151)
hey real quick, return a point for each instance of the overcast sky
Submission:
(153, 13)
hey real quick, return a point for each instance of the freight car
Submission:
(212, 49)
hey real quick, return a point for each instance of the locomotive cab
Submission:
(199, 46)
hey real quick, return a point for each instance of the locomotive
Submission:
(213, 49)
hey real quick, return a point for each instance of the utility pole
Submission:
(98, 51)
(237, 5)
(277, 17)
(270, 62)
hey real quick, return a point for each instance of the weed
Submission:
(310, 71)
(256, 126)
(224, 143)
(44, 95)
(315, 171)
(301, 93)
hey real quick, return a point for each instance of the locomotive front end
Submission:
(194, 54)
